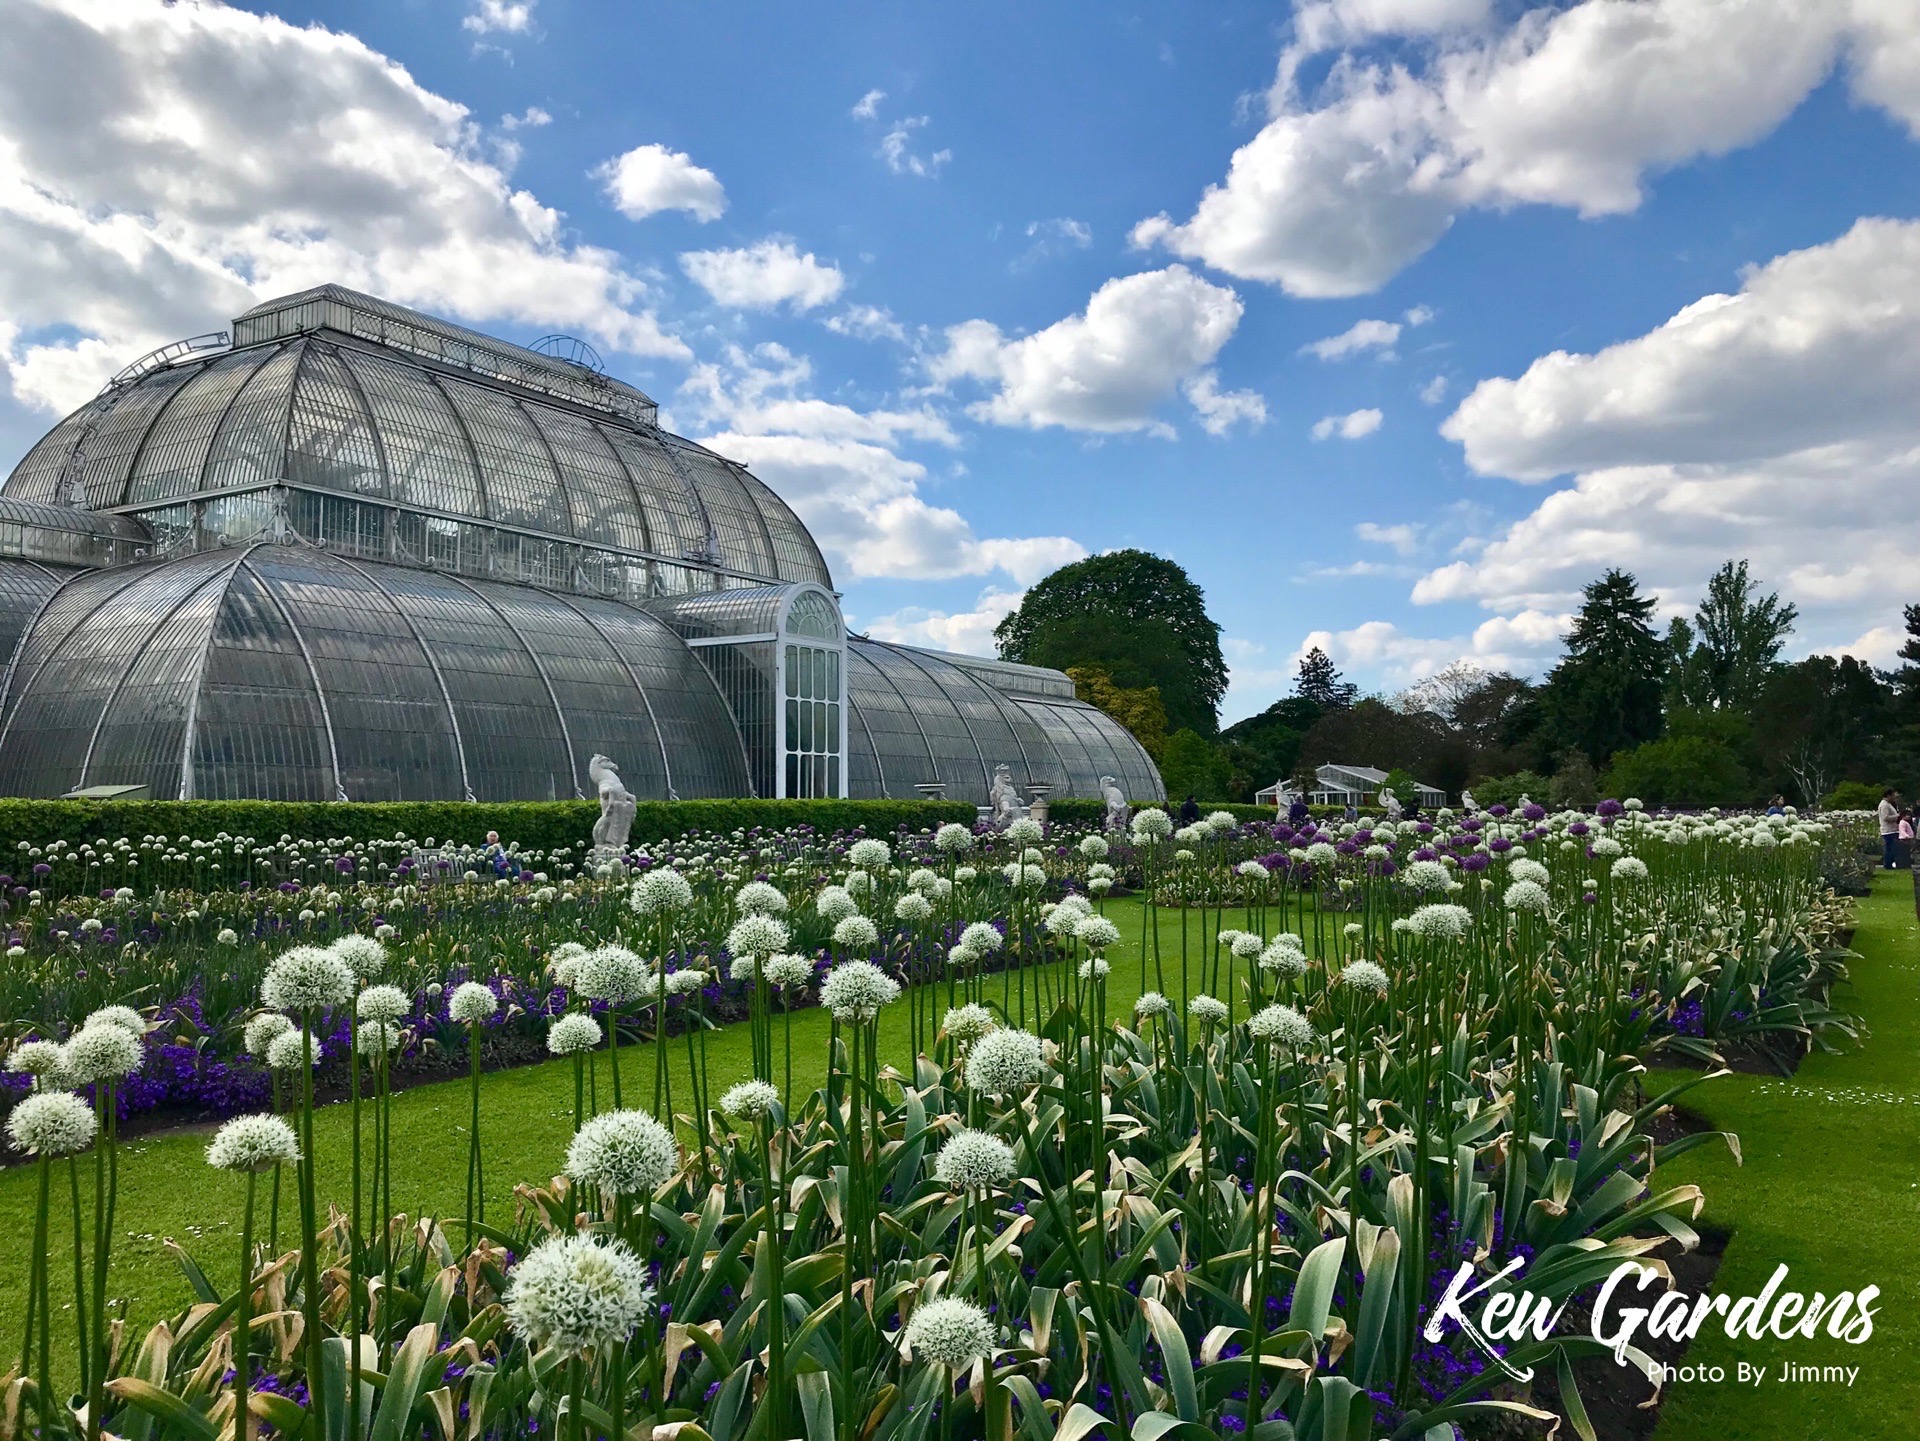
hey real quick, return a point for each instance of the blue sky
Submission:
(1440, 346)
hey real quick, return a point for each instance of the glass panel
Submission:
(251, 444)
(522, 486)
(429, 462)
(114, 442)
(673, 517)
(739, 531)
(174, 457)
(596, 482)
(331, 440)
(259, 731)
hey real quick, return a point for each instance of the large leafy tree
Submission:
(1320, 683)
(1137, 616)
(1606, 695)
(1139, 709)
(1816, 721)
(1722, 660)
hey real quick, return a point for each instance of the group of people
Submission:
(1897, 823)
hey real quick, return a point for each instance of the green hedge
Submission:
(1088, 812)
(535, 825)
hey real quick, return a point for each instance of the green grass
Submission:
(1830, 1186)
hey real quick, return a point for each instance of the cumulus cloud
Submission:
(651, 178)
(1220, 410)
(1351, 180)
(1107, 369)
(153, 203)
(1434, 391)
(765, 275)
(499, 17)
(1780, 423)
(969, 632)
(867, 322)
(1355, 425)
(842, 470)
(1361, 336)
(1524, 643)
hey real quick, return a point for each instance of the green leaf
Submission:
(1313, 1291)
(164, 1407)
(405, 1380)
(1179, 1361)
(816, 1404)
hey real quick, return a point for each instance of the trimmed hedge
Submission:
(534, 825)
(1081, 811)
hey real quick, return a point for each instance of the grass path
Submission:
(1831, 1186)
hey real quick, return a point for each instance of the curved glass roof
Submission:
(287, 673)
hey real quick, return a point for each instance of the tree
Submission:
(1320, 682)
(1574, 783)
(1906, 680)
(1816, 722)
(1722, 661)
(1263, 748)
(1606, 695)
(1138, 616)
(1193, 765)
(1138, 708)
(1680, 770)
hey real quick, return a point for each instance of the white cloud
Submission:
(1403, 539)
(1220, 410)
(969, 632)
(867, 322)
(764, 275)
(1354, 425)
(1577, 106)
(1434, 391)
(1879, 646)
(1362, 335)
(532, 118)
(1105, 370)
(896, 148)
(1067, 231)
(1418, 315)
(1780, 423)
(841, 469)
(499, 17)
(220, 157)
(651, 178)
(1524, 643)
(867, 107)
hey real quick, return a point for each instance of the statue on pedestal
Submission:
(1468, 803)
(1004, 799)
(617, 805)
(1119, 813)
(1391, 803)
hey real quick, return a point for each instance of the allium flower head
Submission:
(306, 978)
(1246, 946)
(1094, 847)
(857, 991)
(1094, 969)
(1426, 876)
(758, 898)
(1024, 877)
(950, 1332)
(45, 1061)
(1364, 976)
(834, 904)
(125, 1017)
(1005, 1061)
(1025, 832)
(1207, 1010)
(968, 1023)
(364, 956)
(661, 892)
(564, 964)
(1251, 871)
(1321, 853)
(51, 1123)
(859, 883)
(1526, 870)
(1279, 960)
(870, 854)
(292, 1049)
(377, 1038)
(97, 1053)
(856, 933)
(1442, 922)
(686, 982)
(923, 880)
(615, 975)
(1606, 847)
(953, 839)
(1096, 933)
(1632, 868)
(1281, 1026)
(913, 908)
(577, 1295)
(981, 938)
(383, 1003)
(262, 1029)
(253, 1143)
(750, 1100)
(1151, 1004)
(787, 971)
(1527, 896)
(1151, 825)
(573, 1035)
(974, 1161)
(1221, 822)
(625, 1153)
(758, 933)
(472, 1003)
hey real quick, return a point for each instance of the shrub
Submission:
(1685, 770)
(1193, 765)
(1507, 790)
(1852, 796)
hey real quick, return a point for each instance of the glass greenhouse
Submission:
(347, 551)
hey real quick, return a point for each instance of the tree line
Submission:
(1704, 712)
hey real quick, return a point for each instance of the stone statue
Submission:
(1468, 803)
(617, 805)
(1391, 802)
(1119, 813)
(1005, 800)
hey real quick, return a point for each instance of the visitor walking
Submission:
(1189, 810)
(1889, 814)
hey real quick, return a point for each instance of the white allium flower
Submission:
(51, 1123)
(912, 908)
(1526, 896)
(953, 839)
(1184, 856)
(102, 1053)
(253, 1143)
(1099, 885)
(1151, 1004)
(1094, 847)
(758, 933)
(615, 975)
(1096, 933)
(787, 971)
(1364, 976)
(1005, 1061)
(1606, 848)
(377, 1038)
(1094, 969)
(834, 904)
(950, 1332)
(1220, 821)
(472, 1003)
(1021, 876)
(923, 880)
(1634, 803)
(758, 898)
(1322, 853)
(859, 883)
(1353, 930)
(1526, 870)
(564, 964)
(125, 1017)
(307, 978)
(870, 854)
(1281, 1026)
(974, 1161)
(968, 1023)
(573, 1035)
(1025, 832)
(385, 932)
(856, 991)
(383, 1003)
(963, 874)
(856, 933)
(1032, 856)
(45, 1061)
(228, 936)
(1442, 922)
(577, 1295)
(262, 1029)
(626, 1153)
(1150, 825)
(292, 1049)
(1426, 876)
(1251, 870)
(1632, 868)
(661, 892)
(685, 983)
(1246, 946)
(364, 956)
(750, 1100)
(1207, 1010)
(1279, 960)
(981, 938)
